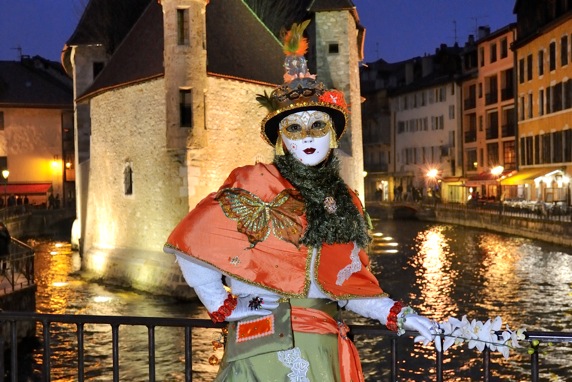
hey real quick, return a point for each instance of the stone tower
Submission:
(338, 53)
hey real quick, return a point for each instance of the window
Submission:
(492, 154)
(564, 50)
(529, 106)
(541, 102)
(529, 150)
(3, 163)
(480, 90)
(521, 71)
(471, 160)
(529, 67)
(186, 107)
(493, 52)
(482, 56)
(557, 97)
(128, 179)
(503, 48)
(546, 148)
(552, 57)
(183, 26)
(568, 94)
(480, 123)
(540, 62)
(333, 48)
(451, 111)
(1, 120)
(521, 108)
(509, 154)
(567, 145)
(557, 144)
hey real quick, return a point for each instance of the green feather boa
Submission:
(315, 183)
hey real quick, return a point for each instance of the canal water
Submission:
(440, 270)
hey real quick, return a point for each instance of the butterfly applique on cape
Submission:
(256, 218)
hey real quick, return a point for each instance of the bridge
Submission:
(32, 221)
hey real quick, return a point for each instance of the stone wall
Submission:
(549, 231)
(125, 234)
(340, 70)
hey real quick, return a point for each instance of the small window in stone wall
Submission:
(182, 26)
(128, 179)
(333, 48)
(186, 107)
(1, 120)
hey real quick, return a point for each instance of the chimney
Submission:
(484, 31)
(426, 65)
(408, 72)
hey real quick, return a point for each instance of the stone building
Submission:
(166, 109)
(36, 131)
(489, 126)
(543, 56)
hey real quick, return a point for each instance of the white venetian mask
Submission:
(306, 135)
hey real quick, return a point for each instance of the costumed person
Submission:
(279, 250)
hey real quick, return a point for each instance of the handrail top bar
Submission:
(110, 320)
(206, 323)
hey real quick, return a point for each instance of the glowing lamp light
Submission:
(497, 171)
(432, 173)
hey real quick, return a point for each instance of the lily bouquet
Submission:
(476, 334)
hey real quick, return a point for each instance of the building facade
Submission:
(544, 89)
(36, 133)
(169, 120)
(489, 124)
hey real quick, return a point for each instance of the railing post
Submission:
(394, 359)
(2, 350)
(188, 354)
(534, 364)
(115, 345)
(151, 336)
(46, 350)
(487, 364)
(14, 351)
(439, 360)
(80, 353)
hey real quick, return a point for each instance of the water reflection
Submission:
(441, 270)
(62, 290)
(445, 270)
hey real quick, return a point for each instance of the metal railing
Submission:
(50, 321)
(536, 211)
(17, 269)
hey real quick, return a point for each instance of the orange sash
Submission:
(307, 320)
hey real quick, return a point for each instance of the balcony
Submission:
(508, 130)
(491, 98)
(470, 136)
(470, 103)
(492, 132)
(507, 94)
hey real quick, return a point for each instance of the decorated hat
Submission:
(300, 90)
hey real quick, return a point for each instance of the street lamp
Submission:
(5, 174)
(497, 172)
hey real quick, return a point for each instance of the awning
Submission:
(486, 178)
(453, 180)
(25, 188)
(528, 175)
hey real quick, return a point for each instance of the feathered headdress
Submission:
(300, 90)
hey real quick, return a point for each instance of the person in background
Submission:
(280, 250)
(5, 239)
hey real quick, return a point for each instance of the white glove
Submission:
(424, 326)
(250, 305)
